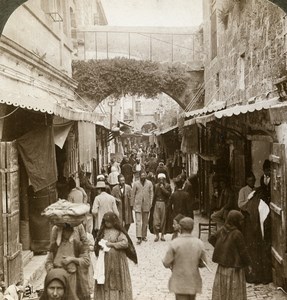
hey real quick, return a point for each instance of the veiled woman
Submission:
(57, 286)
(117, 281)
(69, 251)
(230, 253)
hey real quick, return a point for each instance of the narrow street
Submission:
(103, 104)
(150, 278)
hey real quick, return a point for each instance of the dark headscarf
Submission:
(233, 219)
(62, 276)
(232, 222)
(115, 221)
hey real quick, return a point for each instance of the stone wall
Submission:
(33, 28)
(250, 51)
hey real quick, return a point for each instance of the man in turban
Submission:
(161, 197)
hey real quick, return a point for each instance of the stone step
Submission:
(34, 269)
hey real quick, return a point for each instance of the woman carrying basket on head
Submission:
(69, 251)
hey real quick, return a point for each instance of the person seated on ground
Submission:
(77, 194)
(57, 286)
(176, 226)
(184, 257)
(246, 190)
(68, 252)
(227, 202)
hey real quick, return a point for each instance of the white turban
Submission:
(161, 175)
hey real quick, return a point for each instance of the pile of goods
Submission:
(64, 212)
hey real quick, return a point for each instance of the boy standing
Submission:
(184, 257)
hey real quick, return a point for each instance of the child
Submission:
(184, 257)
(176, 226)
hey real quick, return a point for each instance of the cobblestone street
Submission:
(150, 278)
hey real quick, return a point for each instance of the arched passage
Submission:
(117, 77)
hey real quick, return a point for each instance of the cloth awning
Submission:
(166, 130)
(52, 105)
(243, 109)
(234, 111)
(214, 106)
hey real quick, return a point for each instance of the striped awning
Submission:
(233, 111)
(52, 105)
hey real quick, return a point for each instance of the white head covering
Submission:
(161, 175)
(101, 177)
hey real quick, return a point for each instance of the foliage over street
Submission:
(118, 77)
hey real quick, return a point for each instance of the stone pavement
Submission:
(150, 278)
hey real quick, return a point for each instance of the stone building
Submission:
(38, 107)
(244, 119)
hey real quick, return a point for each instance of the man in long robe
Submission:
(257, 234)
(123, 192)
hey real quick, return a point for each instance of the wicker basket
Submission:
(67, 219)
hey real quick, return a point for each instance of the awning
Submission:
(167, 130)
(234, 111)
(214, 106)
(243, 109)
(52, 105)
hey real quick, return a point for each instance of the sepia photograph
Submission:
(143, 149)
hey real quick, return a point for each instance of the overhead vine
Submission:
(118, 77)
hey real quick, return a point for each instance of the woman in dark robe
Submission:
(257, 234)
(117, 281)
(231, 255)
(69, 251)
(57, 286)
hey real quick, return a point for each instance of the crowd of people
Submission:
(95, 254)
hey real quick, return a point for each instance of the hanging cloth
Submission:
(37, 150)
